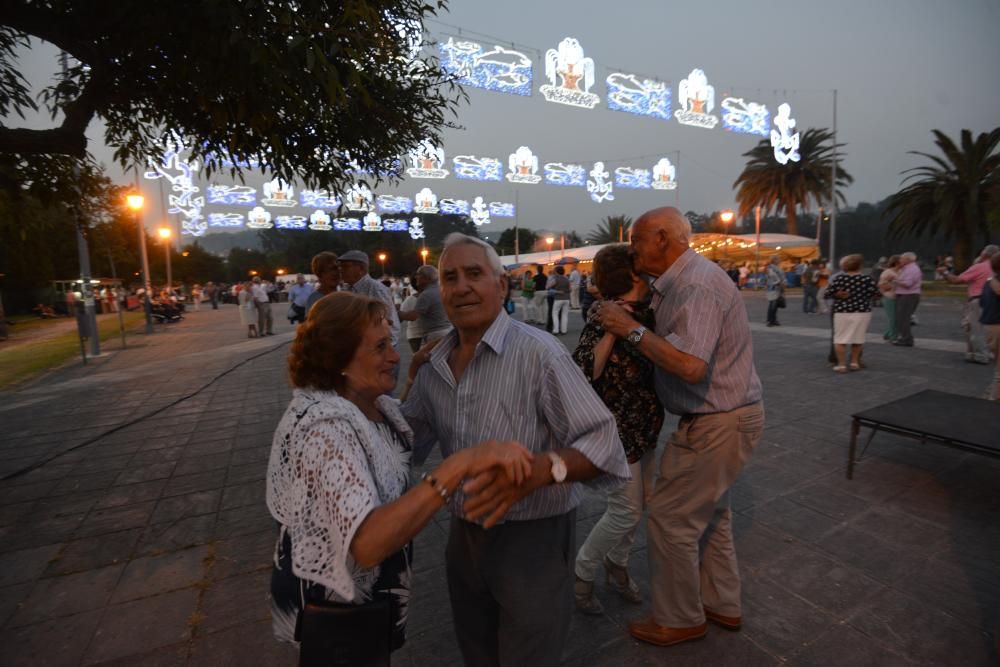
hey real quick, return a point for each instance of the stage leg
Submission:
(855, 428)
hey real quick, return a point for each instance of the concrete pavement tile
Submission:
(188, 466)
(38, 530)
(94, 552)
(202, 481)
(916, 628)
(434, 646)
(845, 645)
(259, 455)
(149, 575)
(26, 564)
(829, 500)
(181, 534)
(19, 494)
(245, 553)
(145, 473)
(97, 481)
(251, 644)
(882, 560)
(836, 588)
(164, 455)
(797, 520)
(175, 508)
(246, 473)
(129, 494)
(757, 544)
(242, 521)
(11, 598)
(16, 512)
(69, 594)
(143, 625)
(206, 448)
(900, 528)
(777, 620)
(56, 642)
(172, 655)
(48, 472)
(114, 519)
(430, 605)
(89, 466)
(956, 591)
(251, 493)
(240, 600)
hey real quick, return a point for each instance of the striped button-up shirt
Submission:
(699, 311)
(521, 385)
(368, 286)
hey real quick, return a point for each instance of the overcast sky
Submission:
(901, 69)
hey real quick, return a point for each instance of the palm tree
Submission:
(784, 187)
(954, 196)
(613, 229)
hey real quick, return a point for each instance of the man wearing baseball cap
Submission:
(354, 272)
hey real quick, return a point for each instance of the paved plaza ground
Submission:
(140, 534)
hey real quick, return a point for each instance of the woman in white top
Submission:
(338, 483)
(887, 286)
(248, 310)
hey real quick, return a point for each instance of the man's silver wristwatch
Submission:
(558, 469)
(635, 335)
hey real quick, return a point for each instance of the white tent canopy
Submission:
(737, 248)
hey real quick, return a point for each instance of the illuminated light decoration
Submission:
(238, 195)
(180, 173)
(697, 99)
(416, 229)
(557, 173)
(428, 161)
(318, 199)
(347, 225)
(226, 161)
(664, 175)
(359, 198)
(480, 213)
(635, 179)
(425, 202)
(395, 225)
(600, 188)
(320, 222)
(568, 64)
(394, 168)
(500, 70)
(225, 220)
(372, 222)
(745, 117)
(502, 209)
(454, 207)
(278, 193)
(785, 144)
(643, 98)
(258, 218)
(523, 165)
(393, 204)
(290, 222)
(472, 168)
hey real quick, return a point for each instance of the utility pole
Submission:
(833, 188)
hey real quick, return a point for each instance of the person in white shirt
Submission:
(265, 322)
(574, 289)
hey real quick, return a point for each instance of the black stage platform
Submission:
(970, 424)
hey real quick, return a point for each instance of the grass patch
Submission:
(24, 361)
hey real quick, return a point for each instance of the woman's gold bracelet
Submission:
(438, 487)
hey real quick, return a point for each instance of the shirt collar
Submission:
(662, 284)
(495, 338)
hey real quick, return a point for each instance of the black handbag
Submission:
(781, 301)
(343, 635)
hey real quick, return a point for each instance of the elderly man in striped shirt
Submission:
(510, 577)
(705, 373)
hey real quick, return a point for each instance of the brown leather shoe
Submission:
(731, 623)
(648, 631)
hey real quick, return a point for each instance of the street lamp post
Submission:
(165, 235)
(135, 202)
(550, 240)
(381, 258)
(726, 217)
(423, 255)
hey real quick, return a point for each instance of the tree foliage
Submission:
(954, 196)
(785, 187)
(301, 89)
(612, 229)
(526, 239)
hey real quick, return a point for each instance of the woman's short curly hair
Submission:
(613, 270)
(326, 342)
(323, 261)
(852, 262)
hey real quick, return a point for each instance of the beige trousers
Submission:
(692, 559)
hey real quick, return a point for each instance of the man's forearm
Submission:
(687, 367)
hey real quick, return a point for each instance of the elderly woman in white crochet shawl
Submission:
(339, 475)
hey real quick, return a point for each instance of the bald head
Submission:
(668, 219)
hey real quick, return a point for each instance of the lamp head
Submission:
(135, 201)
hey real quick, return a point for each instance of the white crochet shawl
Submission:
(329, 468)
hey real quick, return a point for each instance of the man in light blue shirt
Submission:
(298, 299)
(495, 378)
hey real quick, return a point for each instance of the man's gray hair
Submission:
(912, 256)
(989, 251)
(429, 272)
(457, 238)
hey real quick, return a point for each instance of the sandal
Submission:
(617, 578)
(855, 367)
(840, 369)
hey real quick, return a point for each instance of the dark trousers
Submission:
(809, 301)
(511, 589)
(772, 312)
(906, 305)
